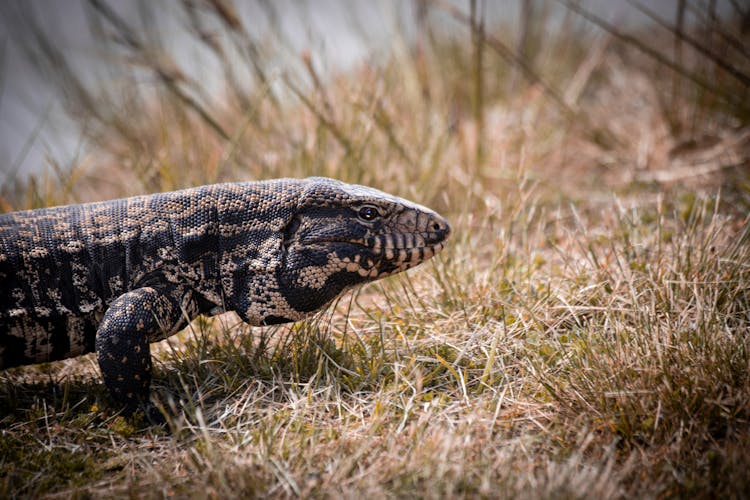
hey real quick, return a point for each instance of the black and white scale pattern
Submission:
(114, 276)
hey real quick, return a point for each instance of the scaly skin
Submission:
(114, 276)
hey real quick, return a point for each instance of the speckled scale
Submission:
(120, 274)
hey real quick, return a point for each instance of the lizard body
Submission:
(112, 277)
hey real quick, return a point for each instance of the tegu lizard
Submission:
(114, 276)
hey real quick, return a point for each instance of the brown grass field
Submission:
(585, 334)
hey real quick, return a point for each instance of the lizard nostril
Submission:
(440, 229)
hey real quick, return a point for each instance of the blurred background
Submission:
(102, 99)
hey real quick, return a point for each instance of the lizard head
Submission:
(343, 235)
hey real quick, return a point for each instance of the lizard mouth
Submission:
(406, 241)
(410, 255)
(373, 261)
(403, 250)
(388, 252)
(395, 243)
(404, 247)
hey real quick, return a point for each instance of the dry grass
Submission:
(584, 335)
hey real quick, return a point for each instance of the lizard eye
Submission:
(368, 213)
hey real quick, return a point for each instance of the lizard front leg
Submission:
(132, 321)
